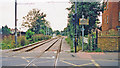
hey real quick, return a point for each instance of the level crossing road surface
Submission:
(57, 53)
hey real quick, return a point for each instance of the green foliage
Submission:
(57, 32)
(69, 41)
(42, 31)
(39, 37)
(5, 30)
(29, 34)
(21, 41)
(90, 10)
(36, 22)
(9, 43)
(98, 50)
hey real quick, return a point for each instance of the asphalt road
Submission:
(66, 59)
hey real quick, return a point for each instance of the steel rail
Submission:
(41, 53)
(17, 49)
(57, 55)
(27, 50)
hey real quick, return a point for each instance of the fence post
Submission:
(96, 40)
(92, 42)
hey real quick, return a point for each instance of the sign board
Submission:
(83, 21)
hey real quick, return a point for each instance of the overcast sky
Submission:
(54, 9)
(56, 12)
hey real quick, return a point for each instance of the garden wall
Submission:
(109, 43)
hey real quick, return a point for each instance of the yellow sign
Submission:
(83, 21)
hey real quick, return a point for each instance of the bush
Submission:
(29, 34)
(8, 42)
(69, 41)
(39, 37)
(22, 41)
(98, 50)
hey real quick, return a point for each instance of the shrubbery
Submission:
(8, 42)
(21, 41)
(39, 37)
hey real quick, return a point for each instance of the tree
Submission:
(35, 21)
(42, 31)
(29, 34)
(5, 30)
(90, 10)
(57, 32)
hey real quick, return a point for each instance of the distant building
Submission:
(111, 15)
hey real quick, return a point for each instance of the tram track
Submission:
(47, 49)
(29, 48)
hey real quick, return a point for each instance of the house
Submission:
(111, 15)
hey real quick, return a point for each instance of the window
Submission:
(107, 4)
(107, 19)
(119, 16)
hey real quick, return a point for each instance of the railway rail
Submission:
(29, 47)
(47, 48)
(54, 43)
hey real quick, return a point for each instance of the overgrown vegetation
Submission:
(8, 42)
(38, 29)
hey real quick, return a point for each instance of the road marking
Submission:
(85, 64)
(90, 59)
(96, 64)
(47, 57)
(68, 63)
(45, 61)
(27, 60)
(75, 64)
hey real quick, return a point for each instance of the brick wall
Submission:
(112, 12)
(110, 43)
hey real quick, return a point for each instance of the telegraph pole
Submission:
(15, 23)
(75, 26)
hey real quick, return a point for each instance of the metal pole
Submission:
(46, 30)
(82, 37)
(15, 23)
(75, 26)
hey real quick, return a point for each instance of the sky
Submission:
(54, 9)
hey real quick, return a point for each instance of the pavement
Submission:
(66, 58)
